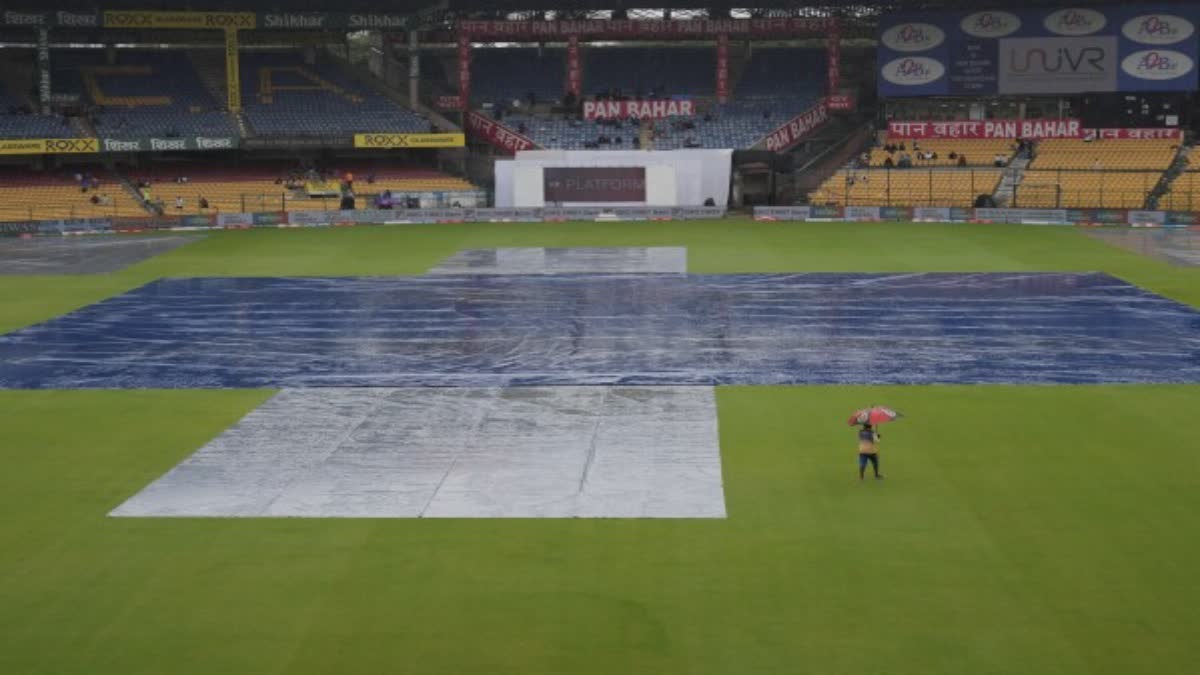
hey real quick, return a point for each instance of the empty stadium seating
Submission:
(774, 72)
(145, 93)
(1105, 155)
(281, 95)
(686, 71)
(1069, 189)
(776, 85)
(906, 187)
(978, 152)
(1184, 193)
(510, 74)
(17, 124)
(261, 187)
(26, 195)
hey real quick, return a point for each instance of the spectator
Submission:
(371, 178)
(962, 160)
(999, 160)
(203, 201)
(179, 203)
(95, 200)
(906, 161)
(888, 163)
(953, 155)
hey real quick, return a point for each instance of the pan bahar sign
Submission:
(596, 110)
(797, 128)
(1029, 129)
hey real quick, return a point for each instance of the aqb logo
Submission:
(913, 37)
(1157, 29)
(1157, 64)
(913, 71)
(990, 24)
(1075, 21)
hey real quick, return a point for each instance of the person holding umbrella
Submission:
(868, 438)
(868, 451)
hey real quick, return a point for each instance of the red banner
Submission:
(622, 110)
(722, 68)
(1027, 129)
(497, 134)
(797, 128)
(1136, 134)
(833, 58)
(574, 67)
(840, 101)
(464, 71)
(633, 28)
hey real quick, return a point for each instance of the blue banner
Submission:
(1049, 51)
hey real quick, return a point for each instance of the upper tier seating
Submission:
(908, 187)
(283, 96)
(27, 195)
(639, 71)
(978, 152)
(1122, 154)
(733, 125)
(17, 120)
(145, 93)
(1086, 189)
(781, 72)
(778, 83)
(505, 75)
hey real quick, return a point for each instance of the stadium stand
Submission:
(1105, 155)
(280, 186)
(1184, 191)
(282, 95)
(511, 74)
(906, 187)
(948, 152)
(639, 72)
(1071, 189)
(17, 120)
(26, 195)
(777, 84)
(144, 93)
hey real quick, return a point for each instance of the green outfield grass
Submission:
(1022, 529)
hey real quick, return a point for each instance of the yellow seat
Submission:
(906, 187)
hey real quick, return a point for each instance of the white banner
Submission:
(595, 110)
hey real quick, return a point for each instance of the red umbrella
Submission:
(877, 414)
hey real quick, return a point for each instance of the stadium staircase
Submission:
(1180, 165)
(1012, 177)
(210, 67)
(811, 171)
(370, 80)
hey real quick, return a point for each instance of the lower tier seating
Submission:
(907, 187)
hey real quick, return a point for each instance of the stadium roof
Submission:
(494, 7)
